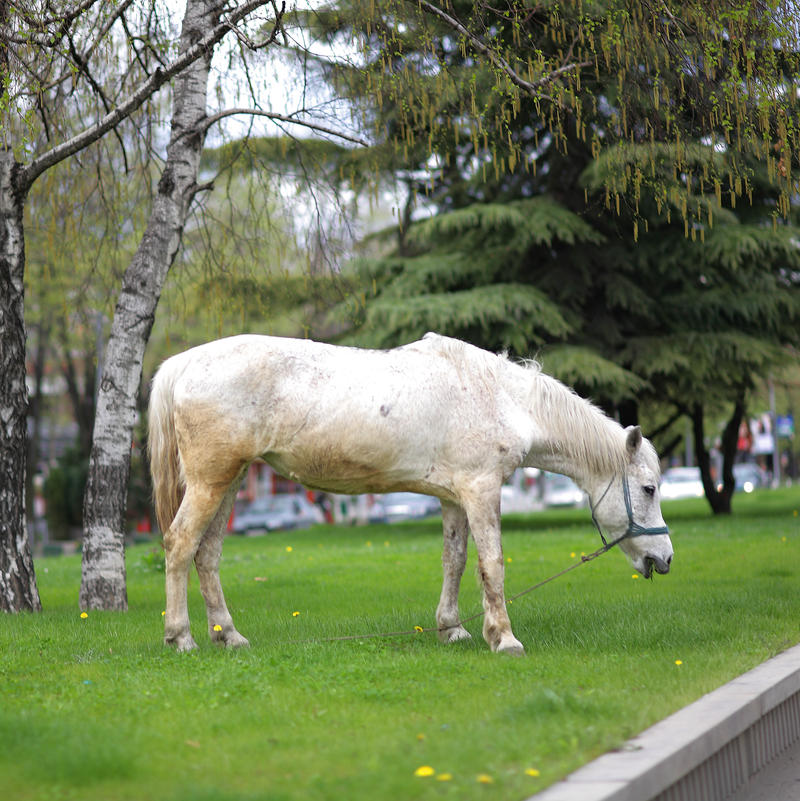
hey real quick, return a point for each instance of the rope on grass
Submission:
(428, 629)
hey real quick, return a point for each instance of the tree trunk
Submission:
(729, 444)
(704, 461)
(628, 411)
(103, 570)
(18, 589)
(718, 499)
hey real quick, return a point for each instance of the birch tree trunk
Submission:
(18, 589)
(103, 583)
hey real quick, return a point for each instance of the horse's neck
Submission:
(548, 456)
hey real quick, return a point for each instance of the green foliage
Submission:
(63, 494)
(697, 89)
(291, 712)
(635, 195)
(510, 316)
(517, 226)
(598, 377)
(466, 275)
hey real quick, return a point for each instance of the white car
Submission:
(277, 512)
(394, 506)
(562, 491)
(681, 482)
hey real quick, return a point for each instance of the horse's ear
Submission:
(633, 440)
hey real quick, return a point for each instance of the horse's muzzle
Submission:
(651, 563)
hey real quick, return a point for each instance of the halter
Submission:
(634, 529)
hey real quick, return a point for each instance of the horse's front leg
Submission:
(454, 557)
(482, 505)
(206, 560)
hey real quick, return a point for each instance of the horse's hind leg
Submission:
(199, 505)
(454, 557)
(206, 560)
(482, 504)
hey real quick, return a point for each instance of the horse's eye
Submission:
(650, 489)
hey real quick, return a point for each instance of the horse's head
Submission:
(627, 508)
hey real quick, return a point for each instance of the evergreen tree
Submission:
(635, 216)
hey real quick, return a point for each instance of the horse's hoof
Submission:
(454, 634)
(511, 647)
(235, 640)
(182, 643)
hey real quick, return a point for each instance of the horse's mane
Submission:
(581, 430)
(576, 427)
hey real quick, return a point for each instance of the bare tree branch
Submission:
(268, 40)
(254, 112)
(147, 89)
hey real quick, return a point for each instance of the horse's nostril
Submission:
(669, 560)
(655, 564)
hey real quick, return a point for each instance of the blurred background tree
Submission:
(610, 186)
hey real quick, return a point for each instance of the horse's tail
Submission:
(162, 445)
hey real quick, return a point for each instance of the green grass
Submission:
(97, 708)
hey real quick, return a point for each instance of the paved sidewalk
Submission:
(778, 781)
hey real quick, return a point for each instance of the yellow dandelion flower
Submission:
(444, 777)
(423, 771)
(532, 772)
(484, 778)
(678, 662)
(164, 612)
(288, 549)
(420, 737)
(295, 614)
(418, 629)
(508, 559)
(572, 555)
(218, 627)
(84, 615)
(635, 576)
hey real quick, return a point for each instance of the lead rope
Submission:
(427, 629)
(634, 530)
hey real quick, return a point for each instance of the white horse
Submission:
(436, 416)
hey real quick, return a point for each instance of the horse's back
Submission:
(343, 419)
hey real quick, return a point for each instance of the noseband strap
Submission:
(634, 529)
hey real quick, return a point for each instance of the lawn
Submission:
(97, 708)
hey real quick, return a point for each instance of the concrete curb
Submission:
(708, 750)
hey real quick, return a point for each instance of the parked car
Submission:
(394, 506)
(749, 476)
(277, 512)
(562, 491)
(681, 482)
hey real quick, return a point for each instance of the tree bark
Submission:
(103, 583)
(718, 499)
(18, 589)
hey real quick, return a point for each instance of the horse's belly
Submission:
(356, 466)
